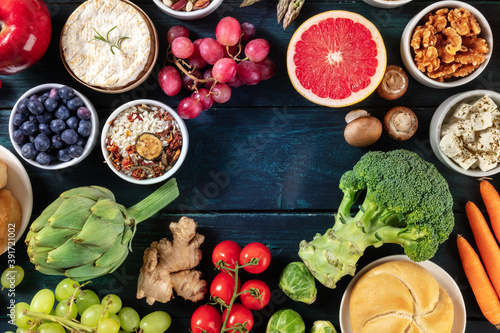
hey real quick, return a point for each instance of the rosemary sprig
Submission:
(117, 45)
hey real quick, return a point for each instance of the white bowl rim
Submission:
(184, 149)
(437, 120)
(192, 15)
(443, 278)
(406, 51)
(26, 206)
(386, 3)
(92, 139)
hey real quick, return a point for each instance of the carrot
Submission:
(484, 292)
(492, 202)
(486, 244)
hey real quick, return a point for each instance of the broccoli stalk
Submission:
(406, 201)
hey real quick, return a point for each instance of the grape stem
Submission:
(67, 323)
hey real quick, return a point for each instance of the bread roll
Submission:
(10, 216)
(400, 296)
(3, 174)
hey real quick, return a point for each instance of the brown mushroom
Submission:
(355, 114)
(148, 146)
(400, 123)
(363, 131)
(394, 83)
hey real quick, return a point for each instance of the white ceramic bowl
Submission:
(19, 184)
(91, 141)
(407, 53)
(192, 15)
(437, 120)
(387, 3)
(184, 149)
(441, 276)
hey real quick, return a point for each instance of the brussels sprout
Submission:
(298, 283)
(286, 321)
(323, 326)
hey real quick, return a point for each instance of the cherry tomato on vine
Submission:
(222, 287)
(206, 319)
(239, 316)
(255, 250)
(255, 294)
(228, 252)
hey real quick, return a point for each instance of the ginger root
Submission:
(168, 266)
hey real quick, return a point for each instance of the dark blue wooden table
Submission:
(262, 167)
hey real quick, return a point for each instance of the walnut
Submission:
(443, 70)
(464, 70)
(464, 22)
(427, 59)
(475, 43)
(424, 36)
(447, 45)
(470, 57)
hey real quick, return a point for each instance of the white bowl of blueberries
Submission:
(53, 126)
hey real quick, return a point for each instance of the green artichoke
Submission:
(85, 233)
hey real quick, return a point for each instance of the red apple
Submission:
(25, 30)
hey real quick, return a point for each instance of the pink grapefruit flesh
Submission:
(336, 58)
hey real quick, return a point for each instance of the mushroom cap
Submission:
(400, 123)
(393, 84)
(355, 114)
(363, 131)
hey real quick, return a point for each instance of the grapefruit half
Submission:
(336, 58)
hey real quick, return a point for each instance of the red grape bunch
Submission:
(211, 67)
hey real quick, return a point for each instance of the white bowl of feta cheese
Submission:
(465, 133)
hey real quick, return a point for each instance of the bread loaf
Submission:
(400, 296)
(10, 217)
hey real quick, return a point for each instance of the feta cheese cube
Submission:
(481, 121)
(486, 162)
(450, 128)
(450, 145)
(484, 104)
(462, 111)
(465, 160)
(489, 139)
(465, 132)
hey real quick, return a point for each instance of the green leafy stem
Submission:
(118, 43)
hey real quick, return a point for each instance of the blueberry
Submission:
(63, 155)
(84, 128)
(29, 128)
(74, 103)
(62, 112)
(43, 98)
(19, 118)
(47, 93)
(66, 92)
(42, 142)
(35, 96)
(57, 125)
(44, 118)
(28, 151)
(57, 142)
(83, 113)
(19, 137)
(75, 151)
(64, 101)
(54, 94)
(35, 106)
(32, 117)
(22, 106)
(43, 158)
(69, 136)
(81, 141)
(72, 122)
(45, 129)
(50, 104)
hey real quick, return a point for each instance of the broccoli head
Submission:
(402, 199)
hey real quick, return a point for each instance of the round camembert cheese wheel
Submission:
(92, 60)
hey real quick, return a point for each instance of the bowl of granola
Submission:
(447, 44)
(144, 141)
(188, 9)
(465, 133)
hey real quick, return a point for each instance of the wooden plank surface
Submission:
(263, 167)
